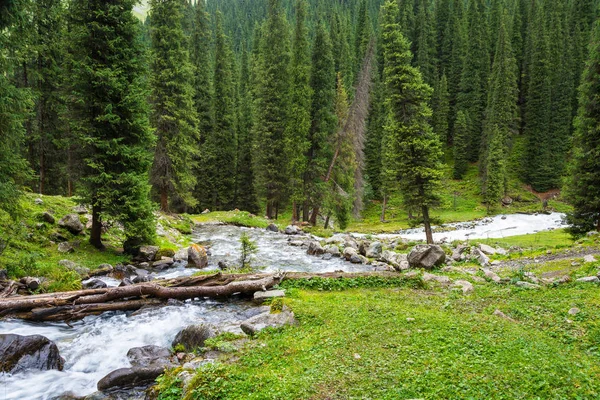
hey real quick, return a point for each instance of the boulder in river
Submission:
(95, 284)
(197, 257)
(267, 319)
(72, 223)
(426, 256)
(292, 230)
(349, 252)
(128, 378)
(149, 356)
(193, 337)
(24, 353)
(272, 228)
(315, 249)
(147, 253)
(374, 250)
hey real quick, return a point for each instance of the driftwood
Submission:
(74, 305)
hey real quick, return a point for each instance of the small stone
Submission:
(72, 223)
(272, 228)
(260, 297)
(65, 247)
(356, 259)
(574, 311)
(292, 230)
(315, 249)
(296, 243)
(527, 285)
(466, 286)
(502, 315)
(49, 218)
(38, 201)
(488, 250)
(206, 211)
(589, 279)
(589, 258)
(491, 275)
(481, 257)
(410, 319)
(95, 284)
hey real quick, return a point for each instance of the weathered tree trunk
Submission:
(314, 215)
(427, 223)
(327, 221)
(96, 231)
(305, 211)
(164, 199)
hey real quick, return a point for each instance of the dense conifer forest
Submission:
(313, 106)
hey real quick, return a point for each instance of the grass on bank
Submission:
(402, 343)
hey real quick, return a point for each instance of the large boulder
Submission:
(72, 223)
(197, 256)
(147, 253)
(259, 322)
(374, 250)
(457, 254)
(349, 252)
(149, 356)
(481, 257)
(23, 353)
(334, 250)
(49, 218)
(193, 337)
(128, 378)
(272, 228)
(292, 230)
(426, 256)
(315, 249)
(65, 247)
(95, 284)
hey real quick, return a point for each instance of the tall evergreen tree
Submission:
(114, 127)
(173, 114)
(584, 185)
(423, 46)
(323, 121)
(461, 145)
(407, 129)
(272, 108)
(441, 109)
(364, 32)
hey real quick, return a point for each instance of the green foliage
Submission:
(248, 248)
(335, 284)
(441, 109)
(461, 145)
(169, 387)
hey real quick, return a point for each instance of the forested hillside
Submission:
(308, 106)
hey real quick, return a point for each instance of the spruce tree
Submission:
(113, 124)
(221, 144)
(423, 46)
(14, 106)
(441, 109)
(272, 109)
(407, 128)
(584, 185)
(173, 114)
(461, 145)
(364, 32)
(323, 121)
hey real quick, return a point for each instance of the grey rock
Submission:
(296, 243)
(589, 279)
(481, 258)
(126, 270)
(272, 228)
(292, 230)
(589, 258)
(574, 311)
(363, 246)
(126, 378)
(224, 265)
(527, 285)
(65, 247)
(465, 286)
(163, 263)
(488, 250)
(95, 284)
(49, 218)
(147, 253)
(262, 296)
(592, 233)
(491, 275)
(80, 209)
(444, 280)
(267, 320)
(334, 250)
(426, 256)
(501, 251)
(142, 279)
(327, 257)
(349, 252)
(181, 255)
(72, 223)
(357, 259)
(254, 311)
(197, 256)
(193, 337)
(25, 353)
(375, 250)
(147, 356)
(315, 249)
(350, 242)
(3, 275)
(457, 253)
(38, 201)
(126, 282)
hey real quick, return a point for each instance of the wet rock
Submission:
(147, 253)
(49, 218)
(181, 255)
(25, 353)
(267, 320)
(315, 249)
(149, 356)
(72, 223)
(327, 257)
(363, 246)
(197, 256)
(126, 282)
(292, 230)
(126, 270)
(193, 337)
(95, 284)
(350, 242)
(349, 252)
(589, 279)
(225, 265)
(103, 270)
(126, 378)
(163, 263)
(65, 247)
(426, 256)
(527, 285)
(382, 267)
(334, 250)
(262, 296)
(357, 259)
(272, 228)
(465, 286)
(374, 250)
(296, 243)
(67, 396)
(142, 279)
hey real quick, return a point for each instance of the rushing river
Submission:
(98, 345)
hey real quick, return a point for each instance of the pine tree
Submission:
(501, 120)
(221, 144)
(461, 145)
(342, 53)
(301, 94)
(14, 106)
(364, 32)
(584, 186)
(424, 45)
(441, 109)
(408, 129)
(173, 115)
(323, 121)
(114, 127)
(272, 109)
(455, 46)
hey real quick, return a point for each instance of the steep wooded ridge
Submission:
(312, 108)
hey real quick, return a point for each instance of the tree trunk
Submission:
(269, 209)
(70, 168)
(313, 216)
(294, 212)
(164, 199)
(383, 209)
(305, 211)
(598, 225)
(327, 221)
(427, 223)
(96, 233)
